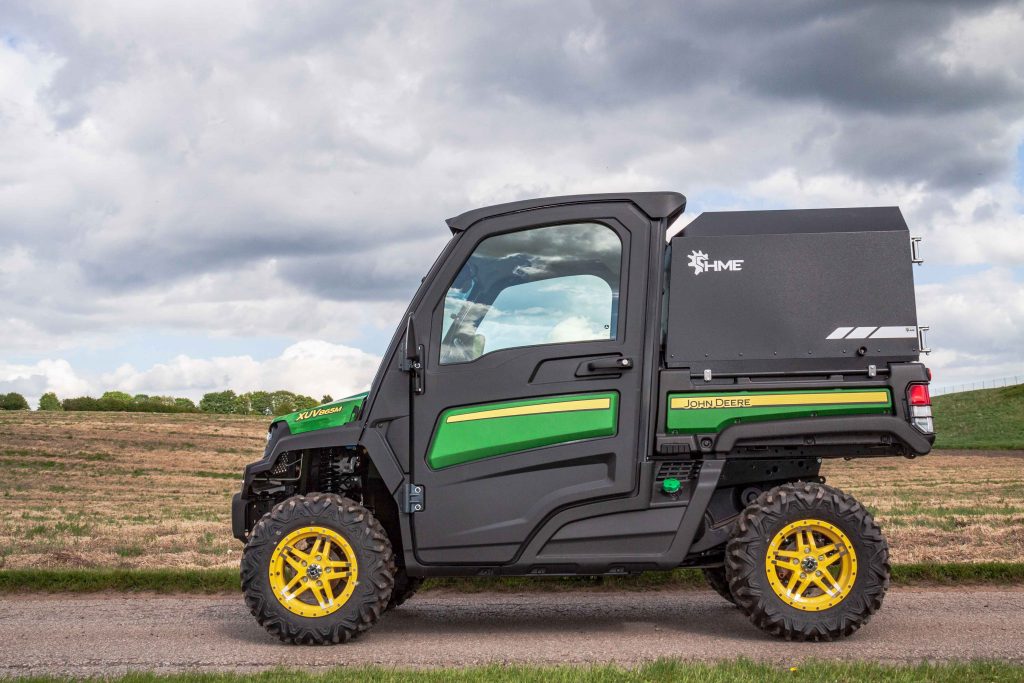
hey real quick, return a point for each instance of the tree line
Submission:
(221, 402)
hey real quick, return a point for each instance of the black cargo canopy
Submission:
(791, 290)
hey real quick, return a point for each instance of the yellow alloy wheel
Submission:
(811, 565)
(313, 571)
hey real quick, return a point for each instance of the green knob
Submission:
(671, 485)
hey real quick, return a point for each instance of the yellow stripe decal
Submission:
(778, 400)
(537, 409)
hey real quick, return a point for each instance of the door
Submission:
(532, 334)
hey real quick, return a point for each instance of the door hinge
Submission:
(415, 498)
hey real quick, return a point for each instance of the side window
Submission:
(539, 286)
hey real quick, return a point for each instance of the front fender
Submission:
(282, 441)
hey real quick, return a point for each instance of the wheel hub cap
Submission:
(313, 571)
(811, 565)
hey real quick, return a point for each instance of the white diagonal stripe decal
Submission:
(895, 332)
(873, 332)
(861, 333)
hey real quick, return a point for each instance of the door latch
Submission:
(915, 251)
(604, 366)
(415, 498)
(922, 339)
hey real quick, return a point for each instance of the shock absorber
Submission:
(337, 472)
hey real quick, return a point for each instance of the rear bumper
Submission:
(876, 434)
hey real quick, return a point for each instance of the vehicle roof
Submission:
(859, 219)
(655, 204)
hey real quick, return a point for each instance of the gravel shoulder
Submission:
(109, 634)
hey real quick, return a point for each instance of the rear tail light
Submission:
(918, 395)
(920, 401)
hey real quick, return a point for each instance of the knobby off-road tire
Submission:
(365, 544)
(717, 579)
(838, 516)
(405, 587)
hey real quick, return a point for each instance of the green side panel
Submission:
(334, 414)
(459, 442)
(714, 419)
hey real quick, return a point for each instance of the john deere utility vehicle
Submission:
(571, 393)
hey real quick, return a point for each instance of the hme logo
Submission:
(700, 263)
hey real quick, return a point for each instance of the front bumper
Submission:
(239, 522)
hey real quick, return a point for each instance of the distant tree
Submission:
(261, 403)
(115, 400)
(49, 401)
(326, 398)
(225, 402)
(13, 401)
(137, 398)
(81, 403)
(283, 402)
(305, 402)
(186, 405)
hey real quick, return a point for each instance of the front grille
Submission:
(682, 470)
(286, 465)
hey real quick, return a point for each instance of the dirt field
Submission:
(150, 490)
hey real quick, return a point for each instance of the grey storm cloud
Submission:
(322, 144)
(875, 65)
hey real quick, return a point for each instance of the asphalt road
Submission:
(111, 633)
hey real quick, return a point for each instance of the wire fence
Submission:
(979, 384)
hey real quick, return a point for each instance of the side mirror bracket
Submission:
(412, 361)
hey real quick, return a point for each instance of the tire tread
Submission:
(745, 567)
(361, 528)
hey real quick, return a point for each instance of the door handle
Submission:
(605, 366)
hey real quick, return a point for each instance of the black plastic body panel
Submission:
(240, 524)
(861, 431)
(794, 300)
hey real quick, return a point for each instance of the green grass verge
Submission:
(226, 580)
(983, 419)
(655, 672)
(93, 580)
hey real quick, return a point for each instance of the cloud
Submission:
(34, 380)
(249, 169)
(977, 325)
(311, 367)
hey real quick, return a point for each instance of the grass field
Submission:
(656, 672)
(988, 418)
(225, 580)
(134, 490)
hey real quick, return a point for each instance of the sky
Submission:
(197, 196)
